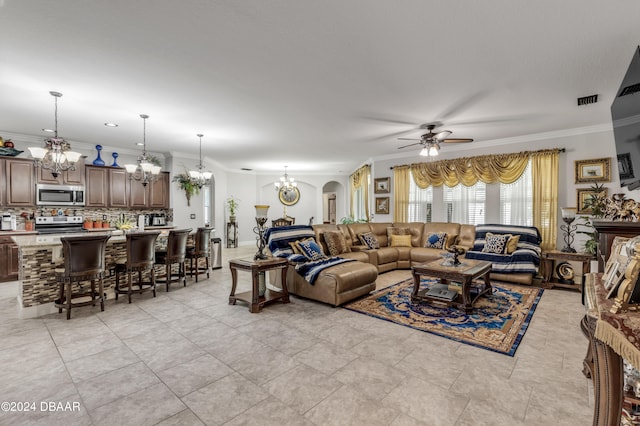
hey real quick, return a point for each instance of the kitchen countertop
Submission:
(53, 240)
(12, 233)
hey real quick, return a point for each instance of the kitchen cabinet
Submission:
(138, 194)
(8, 259)
(2, 185)
(20, 183)
(118, 182)
(97, 180)
(159, 191)
(68, 177)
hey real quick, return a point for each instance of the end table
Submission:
(550, 259)
(257, 267)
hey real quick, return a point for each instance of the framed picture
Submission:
(382, 205)
(585, 194)
(381, 185)
(624, 166)
(598, 170)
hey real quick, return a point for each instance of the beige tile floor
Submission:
(188, 358)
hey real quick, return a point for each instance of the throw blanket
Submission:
(525, 259)
(278, 239)
(311, 270)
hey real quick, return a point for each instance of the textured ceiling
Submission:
(320, 86)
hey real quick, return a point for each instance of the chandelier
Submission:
(285, 183)
(56, 155)
(199, 177)
(145, 171)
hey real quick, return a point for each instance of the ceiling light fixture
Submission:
(56, 156)
(285, 182)
(111, 124)
(145, 171)
(201, 178)
(430, 149)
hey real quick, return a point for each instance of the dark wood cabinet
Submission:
(118, 187)
(68, 177)
(159, 192)
(606, 231)
(8, 259)
(3, 188)
(20, 183)
(97, 180)
(138, 194)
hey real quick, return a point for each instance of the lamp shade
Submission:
(37, 152)
(262, 210)
(568, 212)
(72, 156)
(424, 152)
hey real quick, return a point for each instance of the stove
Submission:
(59, 224)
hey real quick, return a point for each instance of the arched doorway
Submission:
(332, 194)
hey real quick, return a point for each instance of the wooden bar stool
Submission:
(141, 256)
(175, 253)
(83, 261)
(200, 250)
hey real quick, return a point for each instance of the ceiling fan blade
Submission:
(495, 120)
(393, 135)
(456, 140)
(409, 139)
(464, 104)
(406, 146)
(389, 119)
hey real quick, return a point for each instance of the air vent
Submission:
(630, 90)
(246, 170)
(587, 100)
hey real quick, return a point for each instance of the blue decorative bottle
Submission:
(115, 157)
(98, 161)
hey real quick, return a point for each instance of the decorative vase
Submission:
(115, 157)
(262, 284)
(98, 161)
(232, 219)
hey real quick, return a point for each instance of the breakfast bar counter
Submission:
(40, 255)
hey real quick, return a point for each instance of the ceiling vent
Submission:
(630, 90)
(586, 100)
(245, 169)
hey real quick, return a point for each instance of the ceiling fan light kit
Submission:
(430, 141)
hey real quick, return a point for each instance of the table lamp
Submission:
(568, 216)
(261, 219)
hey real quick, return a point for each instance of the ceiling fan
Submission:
(431, 141)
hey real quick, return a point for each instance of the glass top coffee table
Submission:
(464, 274)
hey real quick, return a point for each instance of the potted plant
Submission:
(232, 205)
(186, 183)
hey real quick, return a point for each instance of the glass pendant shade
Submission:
(198, 176)
(145, 171)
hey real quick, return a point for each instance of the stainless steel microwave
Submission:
(59, 195)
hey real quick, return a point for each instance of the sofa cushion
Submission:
(495, 243)
(415, 229)
(436, 240)
(400, 240)
(369, 239)
(310, 249)
(336, 243)
(512, 244)
(380, 231)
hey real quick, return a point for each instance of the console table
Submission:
(612, 337)
(552, 258)
(257, 267)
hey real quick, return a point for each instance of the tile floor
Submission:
(188, 358)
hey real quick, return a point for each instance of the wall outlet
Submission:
(193, 215)
(104, 217)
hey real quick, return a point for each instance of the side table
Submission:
(256, 267)
(550, 259)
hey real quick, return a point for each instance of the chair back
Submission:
(202, 238)
(283, 221)
(141, 253)
(84, 256)
(177, 245)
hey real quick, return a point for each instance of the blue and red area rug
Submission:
(498, 321)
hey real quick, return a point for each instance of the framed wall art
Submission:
(382, 205)
(598, 170)
(584, 194)
(381, 185)
(624, 166)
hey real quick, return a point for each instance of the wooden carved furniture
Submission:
(200, 251)
(464, 273)
(175, 253)
(606, 231)
(554, 259)
(140, 258)
(257, 267)
(283, 221)
(84, 259)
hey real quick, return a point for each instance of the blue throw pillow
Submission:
(311, 250)
(436, 240)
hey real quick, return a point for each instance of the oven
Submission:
(59, 225)
(59, 195)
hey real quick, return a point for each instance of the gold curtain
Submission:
(544, 172)
(401, 178)
(503, 168)
(360, 178)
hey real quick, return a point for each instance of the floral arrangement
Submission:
(187, 184)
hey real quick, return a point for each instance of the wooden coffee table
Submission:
(256, 267)
(465, 273)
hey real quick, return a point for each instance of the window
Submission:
(516, 200)
(465, 204)
(359, 211)
(420, 203)
(207, 211)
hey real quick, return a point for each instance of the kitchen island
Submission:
(40, 255)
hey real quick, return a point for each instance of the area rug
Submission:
(498, 321)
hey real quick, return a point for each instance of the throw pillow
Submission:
(436, 240)
(369, 240)
(311, 250)
(336, 243)
(512, 243)
(400, 240)
(495, 243)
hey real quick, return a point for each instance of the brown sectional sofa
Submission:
(342, 283)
